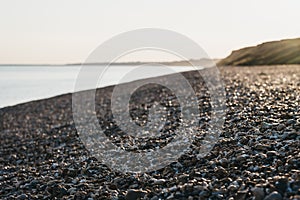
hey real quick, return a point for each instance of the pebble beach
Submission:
(257, 155)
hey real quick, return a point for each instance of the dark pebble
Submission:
(258, 193)
(133, 194)
(273, 196)
(22, 197)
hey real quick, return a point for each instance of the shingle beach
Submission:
(256, 157)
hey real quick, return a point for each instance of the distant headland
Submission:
(283, 52)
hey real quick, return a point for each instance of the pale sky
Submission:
(67, 31)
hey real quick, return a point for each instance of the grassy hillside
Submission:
(269, 53)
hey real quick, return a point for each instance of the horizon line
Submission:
(108, 63)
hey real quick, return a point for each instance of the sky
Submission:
(67, 31)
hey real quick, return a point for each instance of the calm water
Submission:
(21, 84)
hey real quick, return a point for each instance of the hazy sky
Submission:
(66, 31)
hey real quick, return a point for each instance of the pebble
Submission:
(261, 147)
(266, 125)
(291, 121)
(221, 172)
(154, 198)
(272, 153)
(72, 190)
(280, 127)
(224, 162)
(242, 158)
(273, 196)
(281, 185)
(258, 193)
(233, 188)
(54, 165)
(133, 194)
(204, 194)
(22, 197)
(159, 181)
(241, 195)
(292, 135)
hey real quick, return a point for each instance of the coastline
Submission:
(257, 154)
(33, 83)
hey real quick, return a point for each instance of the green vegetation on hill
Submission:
(269, 53)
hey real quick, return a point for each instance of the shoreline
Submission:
(257, 154)
(55, 81)
(42, 97)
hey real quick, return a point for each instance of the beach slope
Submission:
(257, 155)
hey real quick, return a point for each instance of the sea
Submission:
(20, 84)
